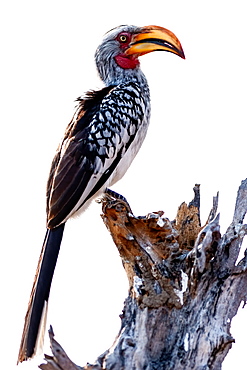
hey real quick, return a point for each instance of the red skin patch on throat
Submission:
(126, 62)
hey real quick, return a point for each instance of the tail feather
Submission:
(37, 307)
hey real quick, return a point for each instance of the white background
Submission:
(197, 135)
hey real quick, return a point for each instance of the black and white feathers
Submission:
(99, 145)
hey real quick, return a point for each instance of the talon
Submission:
(121, 199)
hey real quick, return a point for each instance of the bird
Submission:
(102, 139)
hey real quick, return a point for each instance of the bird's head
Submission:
(117, 56)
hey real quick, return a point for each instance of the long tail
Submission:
(34, 326)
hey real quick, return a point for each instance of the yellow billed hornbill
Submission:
(99, 144)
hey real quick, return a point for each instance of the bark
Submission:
(185, 286)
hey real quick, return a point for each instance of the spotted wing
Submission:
(97, 138)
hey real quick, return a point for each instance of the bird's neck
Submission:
(112, 74)
(127, 75)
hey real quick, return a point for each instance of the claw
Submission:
(112, 195)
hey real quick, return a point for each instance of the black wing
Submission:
(100, 132)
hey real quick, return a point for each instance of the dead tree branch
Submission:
(185, 286)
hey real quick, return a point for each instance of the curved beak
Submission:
(153, 38)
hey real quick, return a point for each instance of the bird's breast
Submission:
(130, 151)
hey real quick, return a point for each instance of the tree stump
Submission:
(185, 286)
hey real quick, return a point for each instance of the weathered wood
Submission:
(59, 360)
(184, 288)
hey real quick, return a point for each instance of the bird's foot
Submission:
(113, 196)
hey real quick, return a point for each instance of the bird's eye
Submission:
(122, 38)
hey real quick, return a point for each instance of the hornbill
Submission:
(99, 144)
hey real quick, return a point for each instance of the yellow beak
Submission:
(152, 38)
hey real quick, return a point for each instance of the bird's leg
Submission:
(115, 195)
(120, 198)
